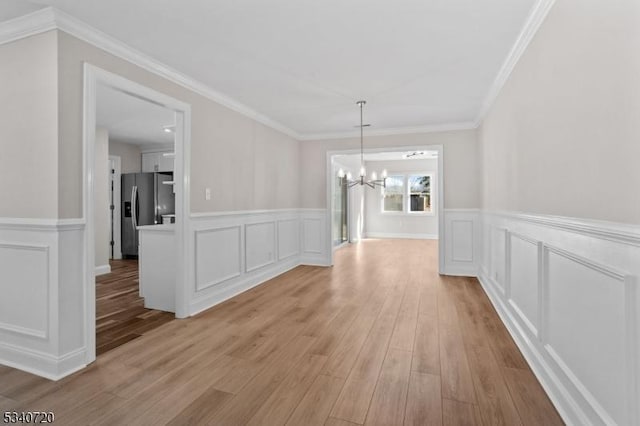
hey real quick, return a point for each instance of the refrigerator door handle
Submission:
(134, 207)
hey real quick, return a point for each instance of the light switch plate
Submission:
(207, 194)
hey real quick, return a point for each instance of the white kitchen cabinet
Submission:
(157, 162)
(157, 266)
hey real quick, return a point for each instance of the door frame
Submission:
(117, 196)
(93, 76)
(439, 196)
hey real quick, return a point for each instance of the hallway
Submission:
(120, 312)
(379, 339)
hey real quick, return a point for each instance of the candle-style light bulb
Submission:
(349, 176)
(374, 176)
(363, 172)
(384, 174)
(340, 173)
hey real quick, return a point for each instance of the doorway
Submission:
(96, 80)
(414, 194)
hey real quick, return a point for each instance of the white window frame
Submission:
(404, 201)
(407, 195)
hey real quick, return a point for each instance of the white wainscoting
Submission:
(41, 300)
(461, 239)
(313, 241)
(567, 291)
(260, 244)
(235, 251)
(401, 235)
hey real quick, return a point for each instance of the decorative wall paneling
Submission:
(461, 238)
(567, 291)
(235, 251)
(41, 304)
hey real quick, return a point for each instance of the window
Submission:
(419, 193)
(393, 194)
(408, 194)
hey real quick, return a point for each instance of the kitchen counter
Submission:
(157, 266)
(170, 227)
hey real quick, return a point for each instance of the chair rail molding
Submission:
(566, 289)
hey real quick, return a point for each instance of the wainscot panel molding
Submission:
(41, 305)
(235, 251)
(567, 291)
(461, 240)
(313, 242)
(401, 235)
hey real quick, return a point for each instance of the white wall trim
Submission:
(250, 281)
(227, 277)
(209, 215)
(41, 363)
(401, 235)
(25, 331)
(51, 18)
(102, 270)
(286, 244)
(536, 17)
(28, 25)
(565, 405)
(92, 77)
(460, 242)
(582, 265)
(29, 224)
(616, 232)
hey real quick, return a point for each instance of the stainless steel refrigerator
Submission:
(144, 200)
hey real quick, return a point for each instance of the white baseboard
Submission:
(103, 270)
(412, 236)
(42, 364)
(566, 289)
(311, 260)
(250, 281)
(559, 396)
(460, 271)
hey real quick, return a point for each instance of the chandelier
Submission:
(362, 180)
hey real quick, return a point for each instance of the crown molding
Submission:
(84, 32)
(390, 131)
(27, 25)
(49, 18)
(535, 19)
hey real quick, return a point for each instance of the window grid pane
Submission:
(420, 193)
(393, 194)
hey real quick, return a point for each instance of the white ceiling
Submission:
(304, 63)
(132, 120)
(10, 9)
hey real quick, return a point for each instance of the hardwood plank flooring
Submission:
(379, 338)
(120, 313)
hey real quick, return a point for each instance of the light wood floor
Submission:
(379, 339)
(120, 312)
